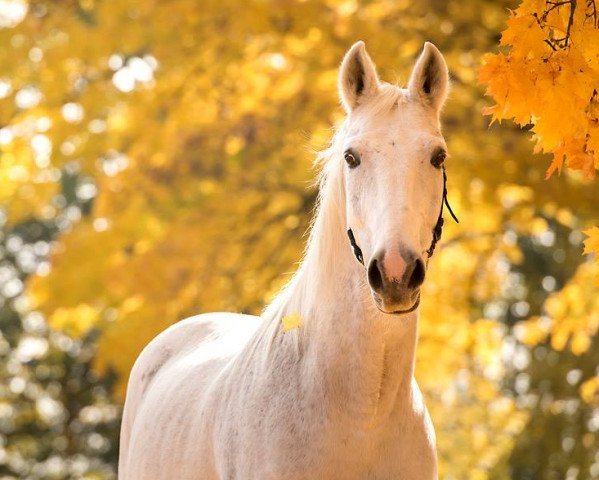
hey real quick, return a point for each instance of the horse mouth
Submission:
(379, 304)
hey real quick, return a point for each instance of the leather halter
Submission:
(437, 230)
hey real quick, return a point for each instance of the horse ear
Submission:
(430, 79)
(357, 78)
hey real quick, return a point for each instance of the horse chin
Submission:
(396, 309)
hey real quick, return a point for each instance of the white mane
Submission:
(328, 231)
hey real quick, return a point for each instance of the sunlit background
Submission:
(156, 162)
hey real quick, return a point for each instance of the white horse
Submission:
(331, 394)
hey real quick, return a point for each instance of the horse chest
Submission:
(297, 437)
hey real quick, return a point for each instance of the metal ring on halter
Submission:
(437, 230)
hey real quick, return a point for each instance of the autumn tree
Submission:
(58, 419)
(546, 79)
(191, 134)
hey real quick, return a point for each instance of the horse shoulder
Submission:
(188, 338)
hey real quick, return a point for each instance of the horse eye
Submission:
(352, 158)
(438, 158)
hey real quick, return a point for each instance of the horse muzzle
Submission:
(395, 279)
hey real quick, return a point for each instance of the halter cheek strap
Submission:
(437, 230)
(357, 250)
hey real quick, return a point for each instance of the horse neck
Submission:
(365, 357)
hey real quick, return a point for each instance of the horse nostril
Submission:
(374, 276)
(417, 276)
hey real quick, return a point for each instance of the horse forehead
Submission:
(405, 123)
(402, 137)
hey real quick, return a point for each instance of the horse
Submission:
(321, 385)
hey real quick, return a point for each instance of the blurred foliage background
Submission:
(156, 162)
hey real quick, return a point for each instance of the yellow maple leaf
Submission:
(291, 322)
(591, 244)
(529, 79)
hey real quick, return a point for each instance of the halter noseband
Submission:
(437, 230)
